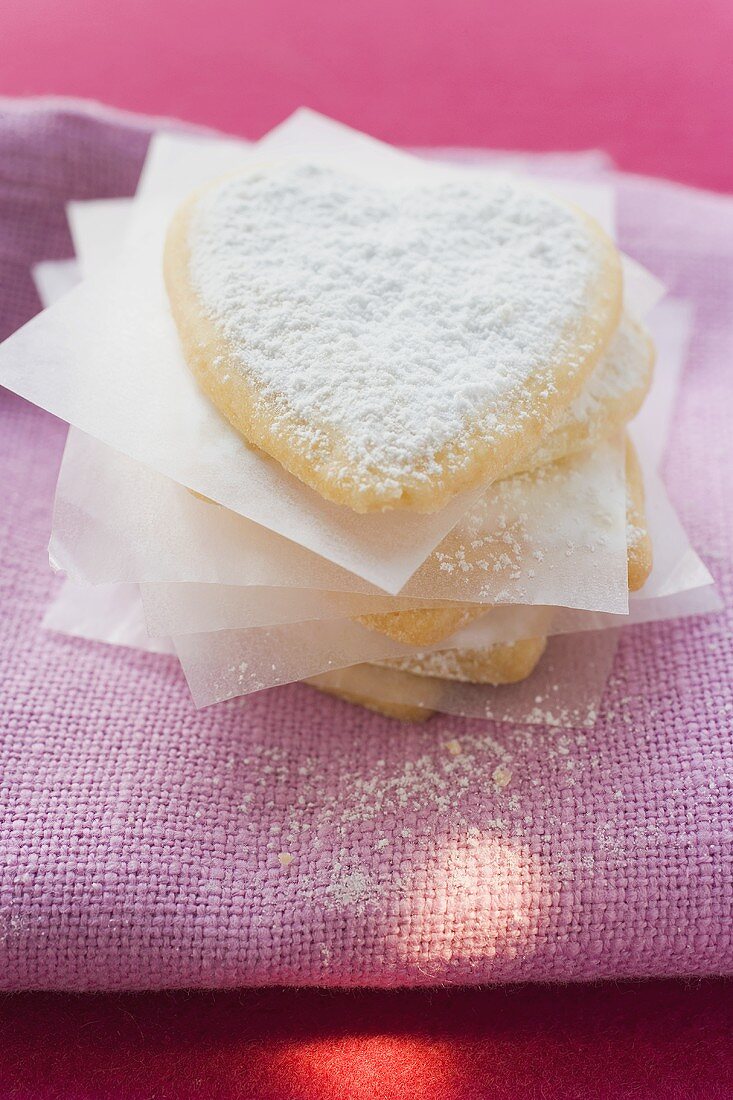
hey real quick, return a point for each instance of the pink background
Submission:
(647, 80)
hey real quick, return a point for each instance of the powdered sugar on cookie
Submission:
(625, 368)
(392, 318)
(612, 395)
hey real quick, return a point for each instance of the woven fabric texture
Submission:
(291, 838)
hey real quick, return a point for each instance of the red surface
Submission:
(648, 80)
(652, 1039)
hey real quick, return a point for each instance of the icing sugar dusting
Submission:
(449, 664)
(624, 367)
(392, 316)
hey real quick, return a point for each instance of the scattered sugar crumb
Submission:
(501, 776)
(354, 889)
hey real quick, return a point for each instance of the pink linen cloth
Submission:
(292, 838)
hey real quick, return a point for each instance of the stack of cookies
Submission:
(346, 416)
(394, 345)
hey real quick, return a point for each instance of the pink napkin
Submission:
(291, 838)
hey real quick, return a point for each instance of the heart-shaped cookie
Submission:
(502, 663)
(389, 344)
(611, 396)
(374, 686)
(429, 625)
